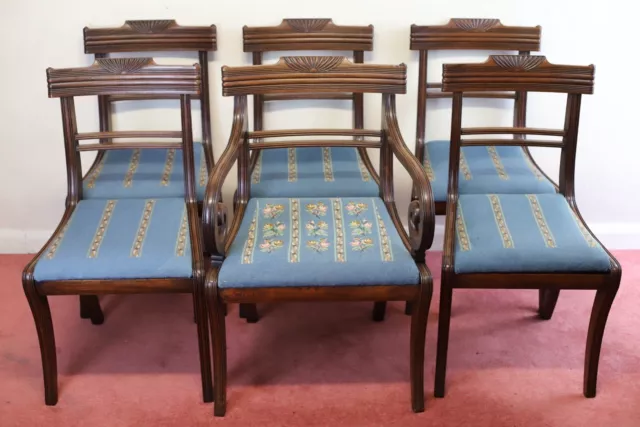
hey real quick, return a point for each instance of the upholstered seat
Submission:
(156, 173)
(312, 172)
(502, 170)
(317, 241)
(120, 239)
(523, 233)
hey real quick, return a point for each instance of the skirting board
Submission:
(612, 235)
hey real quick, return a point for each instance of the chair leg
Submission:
(419, 319)
(444, 320)
(204, 348)
(218, 329)
(90, 309)
(44, 326)
(547, 299)
(249, 312)
(379, 309)
(408, 308)
(599, 313)
(194, 305)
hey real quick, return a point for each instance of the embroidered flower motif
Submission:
(360, 228)
(317, 209)
(360, 244)
(318, 245)
(356, 208)
(319, 229)
(272, 230)
(271, 245)
(272, 211)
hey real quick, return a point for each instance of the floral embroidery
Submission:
(385, 244)
(428, 168)
(271, 230)
(181, 241)
(319, 229)
(360, 228)
(498, 215)
(356, 208)
(133, 166)
(271, 245)
(533, 168)
(549, 240)
(360, 245)
(250, 244)
(464, 167)
(168, 167)
(497, 163)
(366, 176)
(102, 229)
(136, 250)
(585, 233)
(272, 211)
(293, 164)
(340, 255)
(294, 246)
(257, 170)
(321, 245)
(327, 164)
(56, 242)
(203, 172)
(317, 209)
(461, 227)
(93, 176)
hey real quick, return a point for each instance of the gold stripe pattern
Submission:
(293, 164)
(498, 215)
(549, 240)
(93, 176)
(461, 227)
(428, 168)
(168, 167)
(464, 167)
(533, 167)
(133, 166)
(136, 249)
(203, 175)
(294, 245)
(385, 243)
(56, 242)
(327, 164)
(364, 172)
(250, 244)
(340, 254)
(588, 237)
(257, 170)
(181, 241)
(102, 228)
(497, 163)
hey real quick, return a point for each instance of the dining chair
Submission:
(317, 248)
(538, 241)
(309, 171)
(121, 245)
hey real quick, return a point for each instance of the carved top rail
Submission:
(307, 34)
(149, 35)
(520, 73)
(480, 34)
(132, 76)
(317, 74)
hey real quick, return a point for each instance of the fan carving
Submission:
(313, 64)
(307, 25)
(518, 63)
(475, 24)
(123, 65)
(150, 26)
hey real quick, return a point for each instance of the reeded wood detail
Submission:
(130, 76)
(481, 34)
(150, 35)
(297, 74)
(519, 72)
(307, 34)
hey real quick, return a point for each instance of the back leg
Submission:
(249, 312)
(379, 309)
(90, 309)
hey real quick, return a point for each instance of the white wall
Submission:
(37, 34)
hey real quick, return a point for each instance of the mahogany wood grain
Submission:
(315, 143)
(128, 134)
(313, 132)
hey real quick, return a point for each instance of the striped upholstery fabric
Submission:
(523, 233)
(155, 173)
(483, 170)
(120, 239)
(312, 172)
(317, 241)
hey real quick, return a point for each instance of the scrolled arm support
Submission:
(214, 212)
(421, 211)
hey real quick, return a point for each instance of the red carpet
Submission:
(323, 364)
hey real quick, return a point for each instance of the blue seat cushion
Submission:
(140, 173)
(120, 239)
(312, 172)
(523, 233)
(504, 170)
(317, 242)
